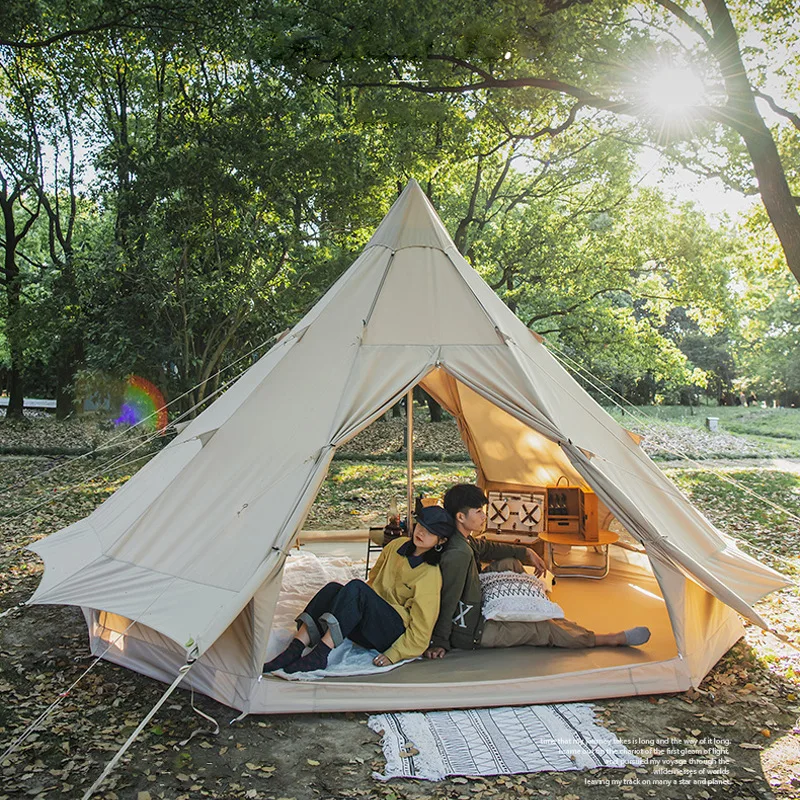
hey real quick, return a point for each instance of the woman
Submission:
(394, 612)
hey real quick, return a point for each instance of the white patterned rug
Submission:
(496, 741)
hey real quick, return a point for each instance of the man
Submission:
(460, 623)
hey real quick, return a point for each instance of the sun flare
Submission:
(673, 91)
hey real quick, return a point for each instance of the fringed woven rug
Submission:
(497, 741)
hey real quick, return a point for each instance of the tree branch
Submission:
(67, 34)
(156, 22)
(562, 312)
(721, 115)
(685, 17)
(460, 62)
(790, 115)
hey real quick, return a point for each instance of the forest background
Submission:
(181, 180)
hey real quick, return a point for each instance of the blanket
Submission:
(496, 741)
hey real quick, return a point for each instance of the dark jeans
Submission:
(354, 611)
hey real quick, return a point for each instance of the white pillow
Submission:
(514, 597)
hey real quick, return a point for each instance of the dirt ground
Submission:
(746, 719)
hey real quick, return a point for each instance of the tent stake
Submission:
(410, 453)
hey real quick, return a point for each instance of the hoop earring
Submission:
(438, 548)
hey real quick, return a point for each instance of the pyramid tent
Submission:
(187, 557)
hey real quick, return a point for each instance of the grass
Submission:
(749, 420)
(41, 651)
(358, 494)
(759, 432)
(737, 512)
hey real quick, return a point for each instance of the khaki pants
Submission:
(548, 632)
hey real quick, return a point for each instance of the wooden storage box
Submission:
(591, 518)
(564, 509)
(572, 510)
(516, 517)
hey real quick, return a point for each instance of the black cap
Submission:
(436, 520)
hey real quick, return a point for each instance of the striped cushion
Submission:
(511, 597)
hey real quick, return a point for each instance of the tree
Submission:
(238, 163)
(20, 207)
(768, 335)
(563, 59)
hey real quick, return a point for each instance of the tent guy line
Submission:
(182, 673)
(20, 740)
(116, 461)
(108, 444)
(651, 423)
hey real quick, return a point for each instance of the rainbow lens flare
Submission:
(143, 404)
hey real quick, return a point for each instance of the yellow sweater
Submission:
(413, 593)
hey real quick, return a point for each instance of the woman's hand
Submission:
(381, 661)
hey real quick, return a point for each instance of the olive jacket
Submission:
(460, 624)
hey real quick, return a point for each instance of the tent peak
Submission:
(412, 222)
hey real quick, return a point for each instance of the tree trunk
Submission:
(746, 119)
(69, 357)
(11, 278)
(70, 347)
(434, 409)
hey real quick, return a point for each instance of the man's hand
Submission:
(534, 560)
(381, 661)
(435, 652)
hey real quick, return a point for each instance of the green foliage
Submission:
(356, 494)
(230, 166)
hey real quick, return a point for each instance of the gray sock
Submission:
(639, 635)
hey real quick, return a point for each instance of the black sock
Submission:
(288, 656)
(316, 659)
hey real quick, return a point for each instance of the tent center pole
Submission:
(410, 453)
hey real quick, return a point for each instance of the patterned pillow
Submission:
(511, 597)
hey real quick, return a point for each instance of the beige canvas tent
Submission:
(193, 546)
